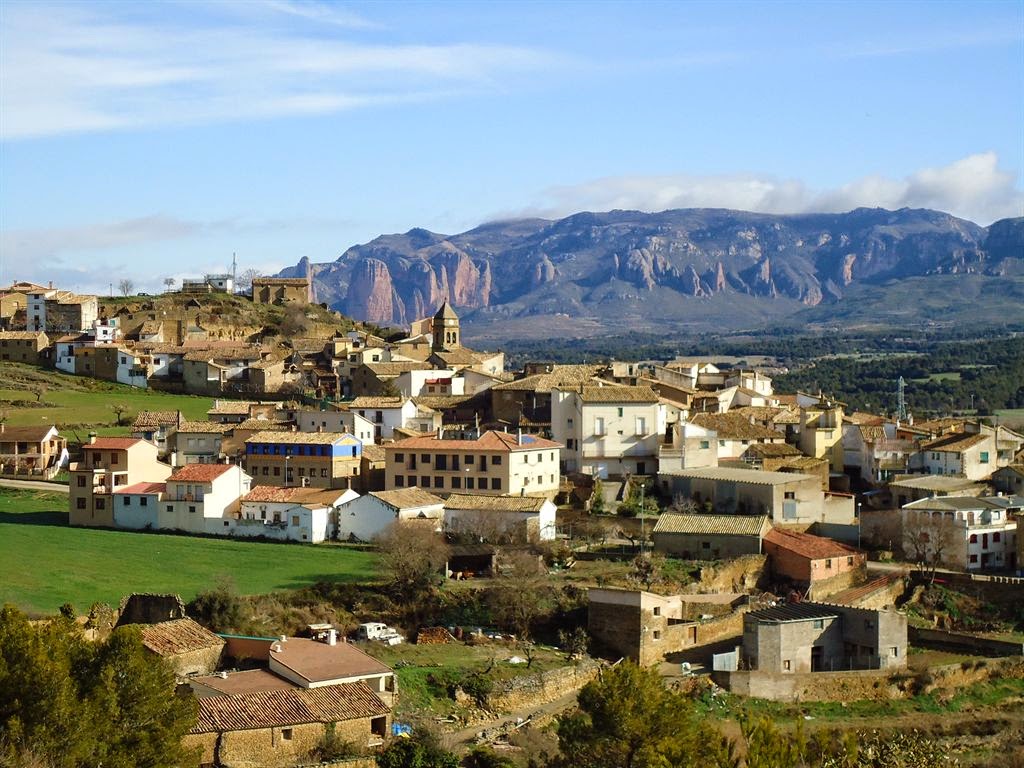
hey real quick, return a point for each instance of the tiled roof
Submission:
(113, 443)
(773, 450)
(952, 503)
(376, 402)
(296, 494)
(143, 488)
(495, 503)
(241, 353)
(280, 281)
(230, 407)
(249, 681)
(202, 427)
(795, 612)
(151, 327)
(293, 706)
(861, 418)
(316, 661)
(614, 394)
(299, 438)
(488, 441)
(808, 545)
(169, 638)
(445, 312)
(263, 424)
(872, 432)
(441, 402)
(31, 434)
(954, 443)
(155, 419)
(565, 376)
(199, 473)
(407, 498)
(732, 426)
(734, 525)
(374, 453)
(735, 475)
(394, 369)
(934, 482)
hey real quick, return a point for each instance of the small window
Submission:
(323, 472)
(425, 458)
(286, 734)
(496, 461)
(785, 665)
(828, 564)
(471, 482)
(974, 558)
(277, 471)
(983, 457)
(143, 501)
(101, 503)
(399, 457)
(995, 537)
(295, 520)
(424, 482)
(790, 495)
(495, 483)
(399, 481)
(657, 634)
(227, 524)
(705, 545)
(849, 561)
(439, 482)
(894, 651)
(705, 444)
(81, 481)
(79, 503)
(657, 610)
(266, 471)
(819, 623)
(170, 507)
(191, 508)
(974, 538)
(127, 501)
(456, 482)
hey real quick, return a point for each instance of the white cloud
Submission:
(71, 68)
(973, 188)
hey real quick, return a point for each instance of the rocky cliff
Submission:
(675, 266)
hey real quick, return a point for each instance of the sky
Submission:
(155, 139)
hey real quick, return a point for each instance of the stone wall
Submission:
(739, 575)
(542, 688)
(958, 641)
(881, 528)
(822, 588)
(142, 608)
(203, 661)
(811, 686)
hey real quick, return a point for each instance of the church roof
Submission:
(445, 312)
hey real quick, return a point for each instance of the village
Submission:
(771, 545)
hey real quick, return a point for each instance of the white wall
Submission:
(367, 517)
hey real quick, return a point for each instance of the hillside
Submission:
(682, 270)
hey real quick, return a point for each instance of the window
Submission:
(97, 458)
(540, 479)
(191, 508)
(101, 503)
(620, 412)
(995, 537)
(266, 471)
(974, 538)
(819, 623)
(849, 561)
(399, 481)
(705, 444)
(302, 471)
(785, 665)
(143, 501)
(789, 495)
(983, 457)
(974, 558)
(441, 463)
(469, 459)
(599, 425)
(425, 458)
(657, 610)
(424, 482)
(495, 483)
(456, 482)
(170, 508)
(295, 520)
(79, 503)
(495, 461)
(721, 443)
(127, 501)
(470, 483)
(410, 480)
(286, 734)
(705, 545)
(438, 482)
(81, 481)
(657, 634)
(323, 472)
(828, 564)
(894, 652)
(641, 425)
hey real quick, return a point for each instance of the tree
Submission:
(169, 284)
(519, 592)
(245, 279)
(647, 569)
(627, 718)
(927, 537)
(220, 609)
(125, 286)
(295, 322)
(422, 750)
(412, 556)
(597, 504)
(119, 411)
(482, 756)
(69, 702)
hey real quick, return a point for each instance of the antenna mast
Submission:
(234, 270)
(901, 400)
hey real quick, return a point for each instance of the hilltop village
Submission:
(771, 544)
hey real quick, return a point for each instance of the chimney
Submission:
(92, 438)
(332, 636)
(519, 436)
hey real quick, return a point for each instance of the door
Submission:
(817, 658)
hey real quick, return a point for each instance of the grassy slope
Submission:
(47, 563)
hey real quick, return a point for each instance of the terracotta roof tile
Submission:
(31, 434)
(114, 443)
(155, 419)
(169, 638)
(249, 681)
(954, 443)
(488, 441)
(732, 426)
(296, 494)
(202, 427)
(497, 503)
(199, 473)
(807, 545)
(299, 438)
(143, 488)
(615, 394)
(735, 525)
(407, 498)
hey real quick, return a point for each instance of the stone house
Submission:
(709, 537)
(368, 516)
(198, 442)
(36, 451)
(153, 427)
(107, 465)
(967, 455)
(736, 433)
(22, 346)
(962, 532)
(908, 488)
(13, 309)
(814, 564)
(281, 290)
(608, 430)
(189, 647)
(314, 459)
(291, 514)
(494, 518)
(496, 463)
(818, 637)
(279, 728)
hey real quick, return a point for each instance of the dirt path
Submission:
(34, 485)
(464, 736)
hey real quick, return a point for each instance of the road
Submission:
(544, 711)
(34, 485)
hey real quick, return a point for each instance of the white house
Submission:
(385, 413)
(492, 518)
(291, 514)
(612, 430)
(692, 446)
(424, 383)
(137, 507)
(962, 532)
(370, 515)
(132, 368)
(337, 421)
(969, 455)
(203, 498)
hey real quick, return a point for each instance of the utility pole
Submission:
(901, 401)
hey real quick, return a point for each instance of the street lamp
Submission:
(287, 458)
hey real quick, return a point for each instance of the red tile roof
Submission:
(114, 443)
(144, 487)
(199, 473)
(488, 441)
(269, 709)
(316, 661)
(296, 494)
(807, 545)
(250, 681)
(169, 638)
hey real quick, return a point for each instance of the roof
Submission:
(199, 473)
(374, 453)
(734, 426)
(231, 407)
(296, 494)
(459, 356)
(293, 706)
(407, 498)
(394, 369)
(445, 312)
(557, 376)
(239, 353)
(953, 503)
(773, 450)
(114, 443)
(300, 438)
(934, 482)
(808, 545)
(155, 419)
(169, 638)
(488, 441)
(495, 503)
(955, 442)
(315, 661)
(732, 525)
(377, 402)
(32, 434)
(268, 425)
(735, 475)
(199, 427)
(280, 281)
(143, 488)
(795, 612)
(23, 335)
(250, 681)
(614, 394)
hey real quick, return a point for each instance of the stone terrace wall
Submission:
(542, 688)
(963, 642)
(811, 686)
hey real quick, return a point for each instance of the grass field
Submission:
(77, 403)
(46, 563)
(1012, 418)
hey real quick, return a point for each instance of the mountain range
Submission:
(673, 271)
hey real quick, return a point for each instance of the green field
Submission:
(79, 404)
(1012, 418)
(46, 563)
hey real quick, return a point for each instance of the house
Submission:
(203, 498)
(494, 463)
(818, 637)
(368, 516)
(279, 728)
(373, 466)
(770, 456)
(787, 498)
(137, 506)
(608, 430)
(153, 427)
(416, 383)
(317, 663)
(281, 290)
(337, 421)
(199, 442)
(237, 411)
(494, 518)
(873, 452)
(13, 306)
(814, 564)
(216, 370)
(691, 447)
(22, 346)
(35, 451)
(189, 647)
(908, 488)
(387, 413)
(1009, 479)
(291, 514)
(820, 431)
(56, 311)
(736, 433)
(963, 454)
(380, 378)
(526, 403)
(108, 464)
(316, 459)
(960, 532)
(709, 537)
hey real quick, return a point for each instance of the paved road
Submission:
(34, 485)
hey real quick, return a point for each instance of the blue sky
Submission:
(154, 139)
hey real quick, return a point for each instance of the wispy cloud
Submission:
(922, 42)
(973, 187)
(72, 68)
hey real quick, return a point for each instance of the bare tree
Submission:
(927, 539)
(519, 592)
(244, 282)
(119, 410)
(40, 393)
(647, 569)
(125, 286)
(412, 555)
(169, 284)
